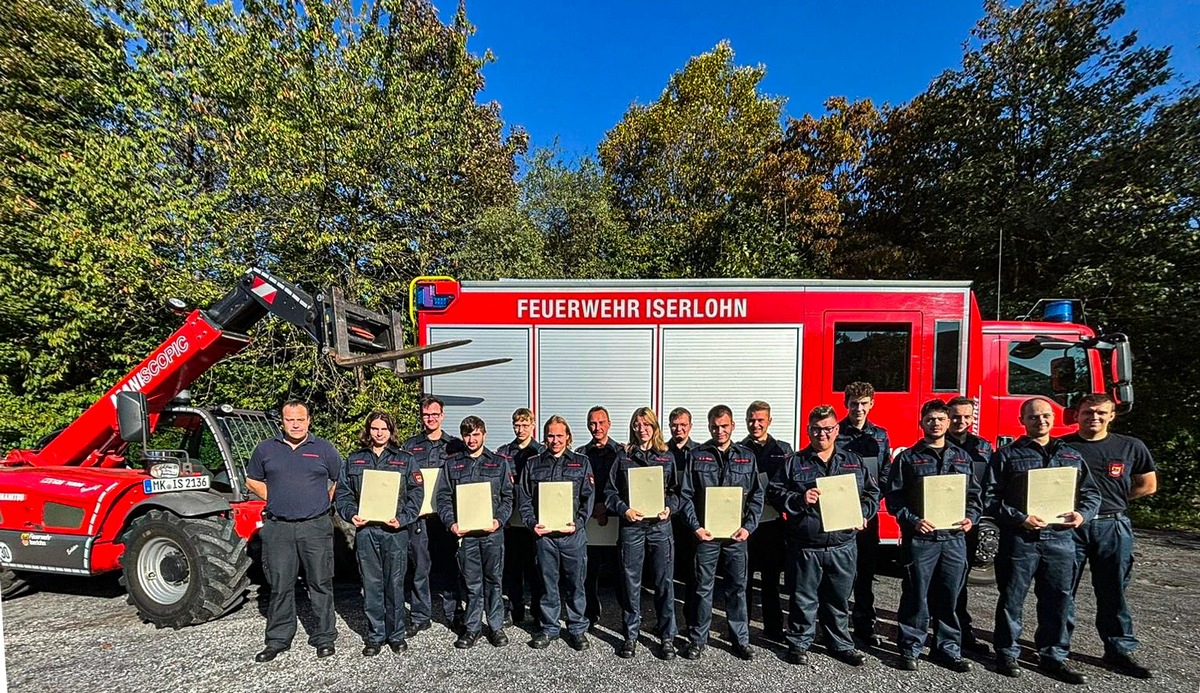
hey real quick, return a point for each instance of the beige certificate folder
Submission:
(1051, 492)
(556, 507)
(379, 495)
(429, 478)
(646, 490)
(474, 509)
(944, 499)
(722, 510)
(602, 536)
(839, 504)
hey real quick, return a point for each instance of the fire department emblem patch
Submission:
(1116, 469)
(418, 478)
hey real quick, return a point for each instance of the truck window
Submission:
(875, 352)
(1036, 375)
(946, 356)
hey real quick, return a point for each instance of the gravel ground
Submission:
(81, 636)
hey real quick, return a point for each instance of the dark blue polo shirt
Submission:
(297, 479)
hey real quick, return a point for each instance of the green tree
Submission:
(332, 142)
(679, 165)
(1057, 139)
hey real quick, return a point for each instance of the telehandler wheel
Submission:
(13, 583)
(182, 571)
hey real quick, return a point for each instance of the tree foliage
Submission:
(1052, 163)
(332, 142)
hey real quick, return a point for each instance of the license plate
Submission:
(180, 483)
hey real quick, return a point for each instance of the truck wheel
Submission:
(13, 584)
(182, 571)
(983, 563)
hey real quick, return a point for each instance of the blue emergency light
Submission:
(1059, 311)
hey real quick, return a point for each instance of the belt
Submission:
(1110, 516)
(276, 518)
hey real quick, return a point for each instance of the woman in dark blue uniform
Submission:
(561, 554)
(382, 547)
(645, 535)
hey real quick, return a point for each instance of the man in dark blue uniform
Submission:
(645, 533)
(561, 553)
(934, 558)
(1124, 470)
(962, 421)
(680, 446)
(432, 548)
(519, 557)
(296, 474)
(381, 547)
(601, 451)
(1036, 548)
(720, 463)
(480, 551)
(820, 564)
(767, 542)
(870, 442)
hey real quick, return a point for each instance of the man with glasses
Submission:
(820, 565)
(432, 548)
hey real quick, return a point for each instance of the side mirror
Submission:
(1123, 393)
(132, 422)
(1062, 374)
(1122, 363)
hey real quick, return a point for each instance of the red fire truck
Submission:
(793, 343)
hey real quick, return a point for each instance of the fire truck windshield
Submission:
(1060, 374)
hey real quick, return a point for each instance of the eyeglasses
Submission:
(822, 430)
(431, 415)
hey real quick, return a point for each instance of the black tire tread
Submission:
(13, 584)
(223, 567)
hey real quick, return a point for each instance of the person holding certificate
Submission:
(821, 558)
(721, 527)
(561, 541)
(932, 492)
(474, 491)
(381, 535)
(642, 492)
(1037, 544)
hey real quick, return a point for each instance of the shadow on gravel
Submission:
(105, 586)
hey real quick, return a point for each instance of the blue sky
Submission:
(569, 69)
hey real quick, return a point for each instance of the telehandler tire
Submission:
(183, 571)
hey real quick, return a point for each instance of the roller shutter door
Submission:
(582, 367)
(706, 366)
(490, 393)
